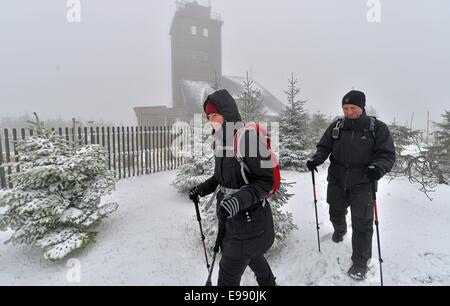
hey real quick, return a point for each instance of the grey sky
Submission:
(118, 57)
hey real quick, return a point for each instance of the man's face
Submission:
(216, 120)
(352, 111)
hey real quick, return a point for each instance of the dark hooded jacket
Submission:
(357, 147)
(242, 238)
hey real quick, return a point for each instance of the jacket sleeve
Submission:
(384, 151)
(208, 186)
(261, 173)
(325, 146)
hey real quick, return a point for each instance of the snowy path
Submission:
(153, 240)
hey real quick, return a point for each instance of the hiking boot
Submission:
(357, 272)
(338, 237)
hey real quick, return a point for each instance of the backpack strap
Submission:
(372, 127)
(238, 155)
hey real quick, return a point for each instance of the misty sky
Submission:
(118, 57)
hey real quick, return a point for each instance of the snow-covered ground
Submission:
(153, 239)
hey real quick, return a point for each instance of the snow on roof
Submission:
(195, 92)
(273, 106)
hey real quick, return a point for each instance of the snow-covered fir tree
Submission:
(419, 163)
(439, 151)
(56, 199)
(407, 145)
(295, 145)
(216, 81)
(282, 220)
(250, 102)
(199, 164)
(317, 126)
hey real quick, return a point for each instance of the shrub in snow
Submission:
(57, 193)
(423, 165)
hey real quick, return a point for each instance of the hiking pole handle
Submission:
(374, 200)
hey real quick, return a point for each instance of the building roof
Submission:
(194, 93)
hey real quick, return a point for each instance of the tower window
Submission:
(193, 30)
(205, 32)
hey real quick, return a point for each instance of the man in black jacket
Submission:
(361, 151)
(249, 230)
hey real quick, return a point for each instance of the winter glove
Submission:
(374, 173)
(229, 207)
(312, 165)
(194, 193)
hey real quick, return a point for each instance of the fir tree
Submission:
(199, 166)
(282, 220)
(414, 160)
(215, 84)
(439, 151)
(57, 194)
(407, 144)
(295, 145)
(318, 124)
(250, 103)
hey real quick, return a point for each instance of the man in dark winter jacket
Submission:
(361, 151)
(249, 230)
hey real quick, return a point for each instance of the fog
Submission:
(118, 56)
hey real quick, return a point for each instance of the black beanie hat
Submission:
(355, 97)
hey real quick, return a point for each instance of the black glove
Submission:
(374, 173)
(312, 165)
(194, 193)
(229, 207)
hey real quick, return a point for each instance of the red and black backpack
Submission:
(262, 132)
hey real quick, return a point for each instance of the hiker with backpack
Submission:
(243, 180)
(361, 151)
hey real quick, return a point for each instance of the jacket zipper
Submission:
(348, 168)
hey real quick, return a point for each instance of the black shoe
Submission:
(338, 237)
(357, 272)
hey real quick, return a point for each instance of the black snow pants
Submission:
(360, 200)
(231, 271)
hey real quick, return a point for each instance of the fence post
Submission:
(118, 153)
(16, 154)
(128, 151)
(146, 149)
(85, 135)
(133, 155)
(108, 144)
(139, 151)
(66, 130)
(8, 157)
(91, 130)
(152, 148)
(2, 170)
(123, 153)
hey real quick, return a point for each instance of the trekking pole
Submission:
(199, 219)
(217, 246)
(378, 232)
(315, 207)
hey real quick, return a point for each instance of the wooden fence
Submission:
(132, 151)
